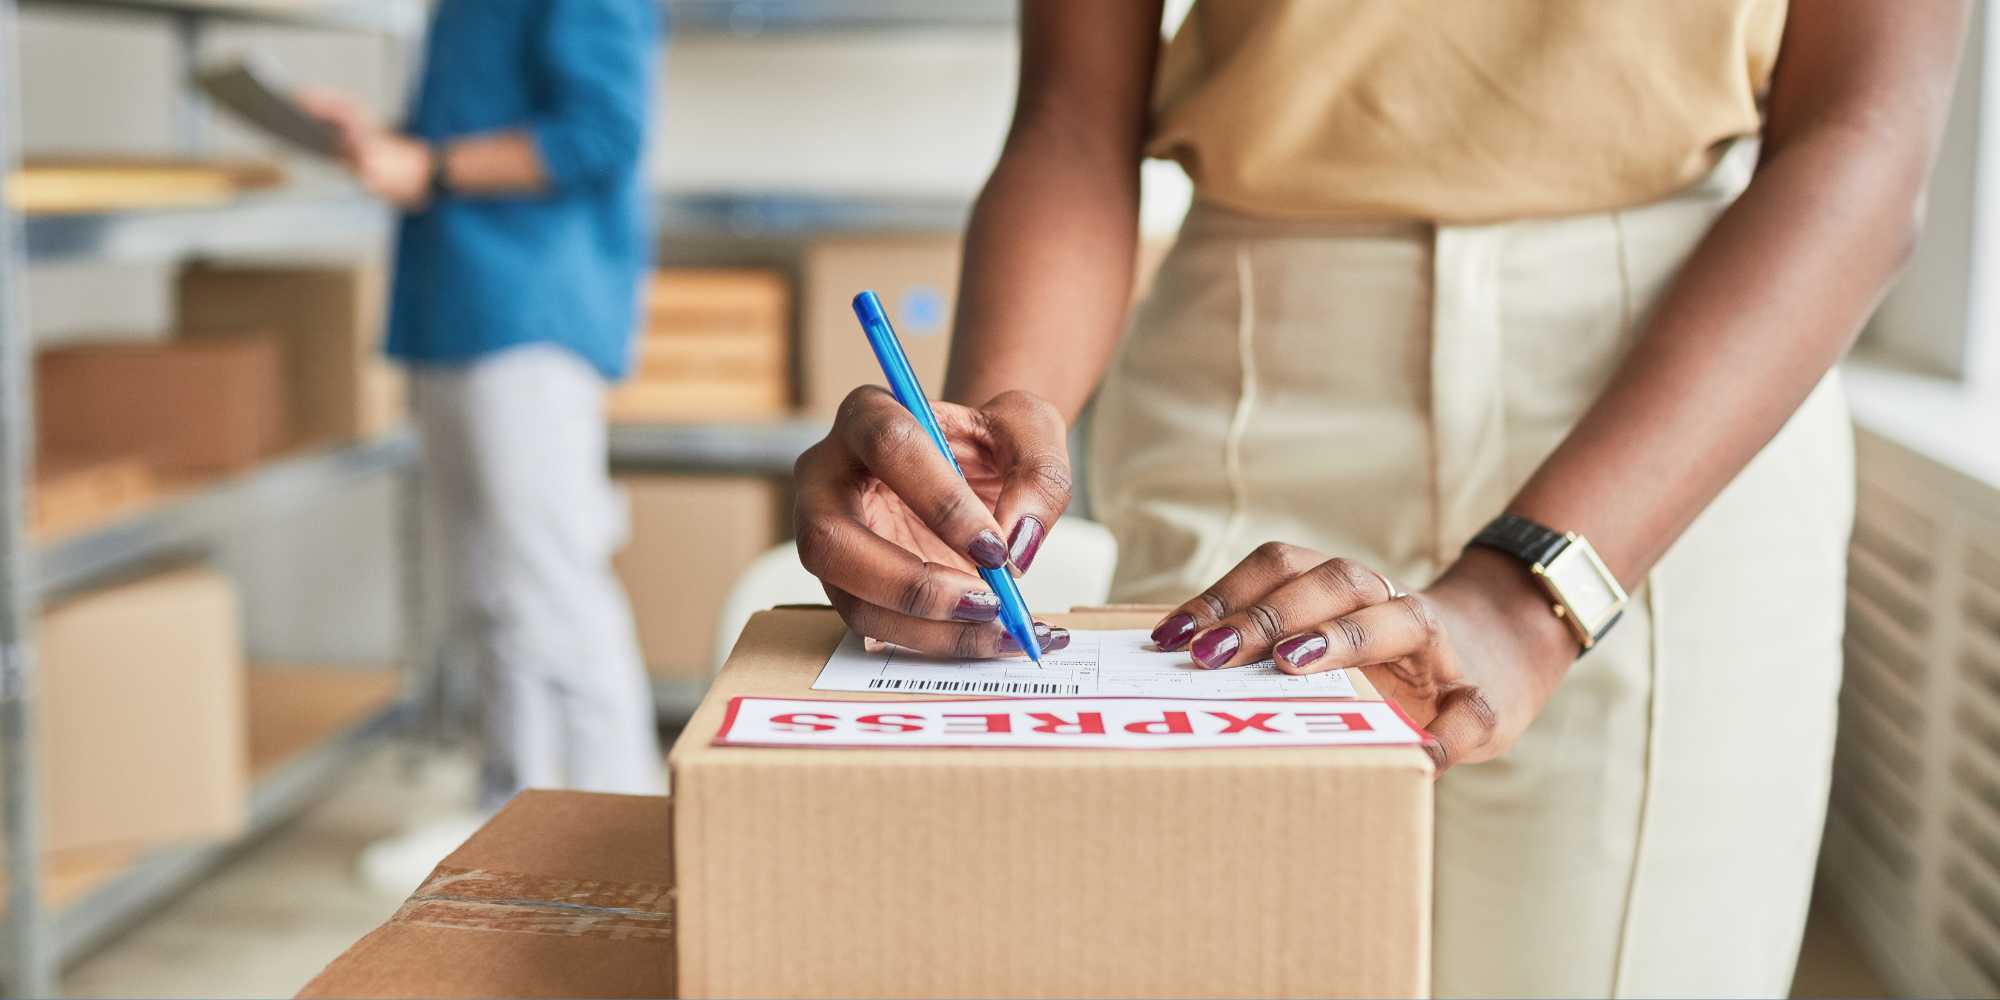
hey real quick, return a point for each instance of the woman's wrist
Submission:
(1503, 596)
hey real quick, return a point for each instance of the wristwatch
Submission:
(1586, 596)
(440, 175)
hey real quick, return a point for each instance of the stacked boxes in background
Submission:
(713, 346)
(328, 321)
(145, 739)
(185, 407)
(917, 279)
(265, 359)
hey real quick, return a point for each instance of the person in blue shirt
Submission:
(518, 260)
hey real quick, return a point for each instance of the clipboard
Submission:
(251, 92)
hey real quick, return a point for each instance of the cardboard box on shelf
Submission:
(691, 536)
(713, 346)
(46, 185)
(1038, 872)
(329, 322)
(293, 708)
(143, 736)
(213, 404)
(561, 894)
(917, 278)
(71, 496)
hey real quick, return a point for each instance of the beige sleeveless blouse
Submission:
(1457, 111)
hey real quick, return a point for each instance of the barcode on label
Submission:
(972, 687)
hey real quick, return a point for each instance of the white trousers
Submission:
(522, 503)
(1380, 392)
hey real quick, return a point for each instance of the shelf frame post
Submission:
(29, 954)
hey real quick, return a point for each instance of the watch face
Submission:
(1584, 586)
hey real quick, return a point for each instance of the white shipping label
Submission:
(1100, 723)
(1097, 663)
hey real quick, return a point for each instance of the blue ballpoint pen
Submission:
(903, 383)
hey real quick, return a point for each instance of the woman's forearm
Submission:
(1049, 251)
(1047, 275)
(1764, 308)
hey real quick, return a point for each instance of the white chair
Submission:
(1072, 570)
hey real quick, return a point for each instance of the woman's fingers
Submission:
(1463, 730)
(837, 547)
(886, 440)
(1327, 591)
(1380, 633)
(1268, 567)
(1031, 446)
(962, 641)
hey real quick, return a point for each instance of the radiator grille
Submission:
(1912, 850)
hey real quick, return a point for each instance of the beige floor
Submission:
(268, 922)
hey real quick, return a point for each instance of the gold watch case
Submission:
(1587, 596)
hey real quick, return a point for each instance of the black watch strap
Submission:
(1521, 538)
(440, 175)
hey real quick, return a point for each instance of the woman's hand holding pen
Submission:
(1472, 658)
(894, 534)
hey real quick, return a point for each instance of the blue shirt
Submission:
(474, 275)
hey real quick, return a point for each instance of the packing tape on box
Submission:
(476, 899)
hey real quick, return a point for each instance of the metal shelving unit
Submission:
(761, 448)
(758, 17)
(275, 799)
(288, 221)
(184, 522)
(35, 942)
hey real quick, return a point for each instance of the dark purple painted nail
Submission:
(1174, 632)
(1044, 634)
(1058, 639)
(978, 606)
(1027, 541)
(987, 551)
(1300, 650)
(1215, 647)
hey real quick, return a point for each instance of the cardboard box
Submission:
(48, 185)
(562, 894)
(143, 733)
(691, 536)
(917, 278)
(714, 347)
(76, 495)
(185, 406)
(294, 708)
(1037, 872)
(329, 322)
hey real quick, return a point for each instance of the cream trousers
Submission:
(1380, 392)
(522, 503)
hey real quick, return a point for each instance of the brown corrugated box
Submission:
(71, 496)
(691, 536)
(143, 731)
(47, 185)
(917, 279)
(713, 346)
(329, 322)
(562, 894)
(961, 872)
(199, 406)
